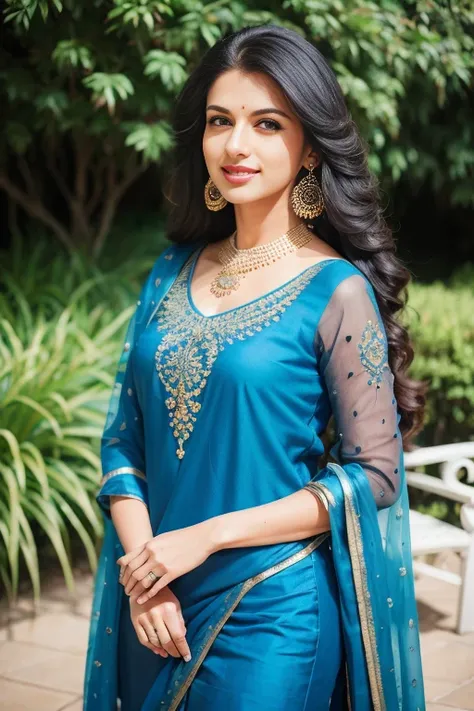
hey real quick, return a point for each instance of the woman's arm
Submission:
(131, 520)
(122, 446)
(353, 361)
(123, 440)
(123, 493)
(292, 518)
(174, 553)
(351, 346)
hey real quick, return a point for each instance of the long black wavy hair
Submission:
(352, 223)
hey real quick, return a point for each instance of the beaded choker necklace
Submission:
(237, 263)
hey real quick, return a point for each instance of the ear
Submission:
(312, 158)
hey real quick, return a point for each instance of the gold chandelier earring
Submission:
(213, 198)
(307, 198)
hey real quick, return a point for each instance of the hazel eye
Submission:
(212, 121)
(274, 126)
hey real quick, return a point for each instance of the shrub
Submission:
(57, 366)
(441, 321)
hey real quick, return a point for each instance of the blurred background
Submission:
(86, 91)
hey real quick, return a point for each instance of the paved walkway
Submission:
(42, 656)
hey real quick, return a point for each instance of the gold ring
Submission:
(152, 576)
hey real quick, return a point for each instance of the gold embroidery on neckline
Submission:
(192, 341)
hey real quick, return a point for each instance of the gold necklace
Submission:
(238, 262)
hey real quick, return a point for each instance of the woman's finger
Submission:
(177, 631)
(151, 632)
(142, 575)
(152, 635)
(143, 639)
(132, 566)
(138, 590)
(165, 637)
(159, 585)
(125, 559)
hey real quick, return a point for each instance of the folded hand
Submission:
(167, 557)
(160, 625)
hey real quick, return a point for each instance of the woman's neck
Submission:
(255, 226)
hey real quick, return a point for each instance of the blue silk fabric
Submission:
(212, 414)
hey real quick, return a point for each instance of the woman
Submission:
(251, 576)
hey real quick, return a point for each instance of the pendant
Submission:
(224, 284)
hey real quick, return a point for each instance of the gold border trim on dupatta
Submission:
(321, 492)
(247, 585)
(359, 572)
(327, 499)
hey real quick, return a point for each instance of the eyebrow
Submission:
(258, 112)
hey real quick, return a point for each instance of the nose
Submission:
(237, 143)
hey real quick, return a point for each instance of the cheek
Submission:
(278, 167)
(281, 153)
(212, 150)
(212, 146)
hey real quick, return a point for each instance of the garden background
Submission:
(86, 90)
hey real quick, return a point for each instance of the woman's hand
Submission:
(159, 625)
(168, 556)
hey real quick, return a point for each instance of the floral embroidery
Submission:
(373, 352)
(192, 342)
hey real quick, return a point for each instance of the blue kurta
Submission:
(219, 413)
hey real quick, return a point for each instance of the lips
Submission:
(239, 170)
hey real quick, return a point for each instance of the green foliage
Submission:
(406, 69)
(49, 283)
(98, 81)
(150, 140)
(62, 321)
(52, 378)
(441, 321)
(107, 87)
(169, 67)
(70, 54)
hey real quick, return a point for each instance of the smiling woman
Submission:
(240, 131)
(253, 575)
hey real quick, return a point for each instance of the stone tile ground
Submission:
(42, 654)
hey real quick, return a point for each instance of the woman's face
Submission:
(270, 141)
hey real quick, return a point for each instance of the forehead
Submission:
(247, 92)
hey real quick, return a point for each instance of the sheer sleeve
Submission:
(352, 353)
